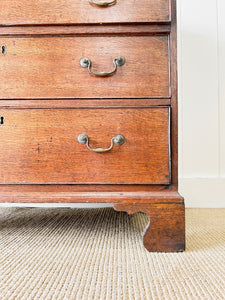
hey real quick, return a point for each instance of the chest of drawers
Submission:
(88, 108)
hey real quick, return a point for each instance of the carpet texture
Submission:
(98, 254)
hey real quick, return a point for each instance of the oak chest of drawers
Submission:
(88, 96)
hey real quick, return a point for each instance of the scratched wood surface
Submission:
(45, 67)
(22, 12)
(40, 146)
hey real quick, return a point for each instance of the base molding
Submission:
(89, 197)
(165, 231)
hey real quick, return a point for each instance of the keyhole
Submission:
(1, 121)
(3, 49)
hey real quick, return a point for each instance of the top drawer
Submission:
(82, 12)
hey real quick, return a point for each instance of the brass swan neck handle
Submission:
(84, 139)
(118, 61)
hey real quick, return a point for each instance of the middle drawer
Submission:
(49, 67)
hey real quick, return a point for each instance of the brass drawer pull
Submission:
(118, 139)
(103, 3)
(86, 63)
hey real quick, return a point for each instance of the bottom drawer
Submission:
(40, 146)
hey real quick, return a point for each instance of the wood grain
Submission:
(82, 12)
(174, 102)
(83, 103)
(47, 99)
(40, 146)
(86, 188)
(72, 30)
(50, 67)
(166, 229)
(131, 202)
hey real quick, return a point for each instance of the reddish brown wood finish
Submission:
(82, 12)
(174, 105)
(166, 229)
(40, 146)
(86, 188)
(127, 200)
(76, 30)
(84, 103)
(50, 67)
(42, 64)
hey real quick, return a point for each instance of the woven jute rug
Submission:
(98, 254)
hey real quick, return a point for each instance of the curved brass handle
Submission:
(86, 63)
(84, 139)
(103, 3)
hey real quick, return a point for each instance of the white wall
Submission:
(201, 67)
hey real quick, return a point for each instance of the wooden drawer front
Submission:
(40, 146)
(82, 12)
(50, 67)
